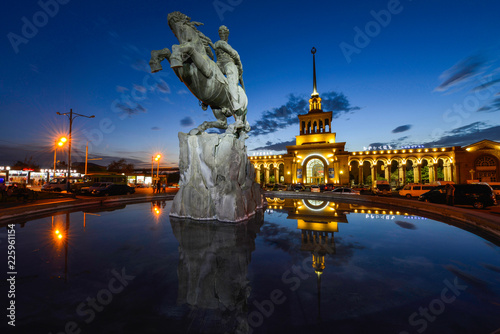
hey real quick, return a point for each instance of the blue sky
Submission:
(410, 72)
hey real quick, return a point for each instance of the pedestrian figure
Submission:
(163, 187)
(450, 194)
(158, 187)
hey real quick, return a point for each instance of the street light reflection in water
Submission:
(301, 266)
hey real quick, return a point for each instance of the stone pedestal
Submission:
(217, 181)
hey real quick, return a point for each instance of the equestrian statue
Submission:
(215, 84)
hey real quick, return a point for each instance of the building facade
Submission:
(317, 158)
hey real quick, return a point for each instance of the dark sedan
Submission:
(115, 189)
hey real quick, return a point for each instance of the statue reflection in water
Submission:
(212, 272)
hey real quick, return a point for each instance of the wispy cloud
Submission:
(461, 72)
(402, 128)
(467, 134)
(155, 128)
(477, 73)
(163, 87)
(281, 117)
(140, 88)
(487, 84)
(131, 108)
(140, 65)
(277, 146)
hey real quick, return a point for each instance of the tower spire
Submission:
(315, 100)
(315, 92)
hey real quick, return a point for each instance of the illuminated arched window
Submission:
(315, 171)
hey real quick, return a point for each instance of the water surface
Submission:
(300, 267)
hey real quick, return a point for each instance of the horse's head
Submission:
(183, 28)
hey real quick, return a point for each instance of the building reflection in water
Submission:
(212, 272)
(318, 221)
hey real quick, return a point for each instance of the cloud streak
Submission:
(281, 117)
(461, 72)
(130, 108)
(402, 128)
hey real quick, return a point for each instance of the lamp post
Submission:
(60, 143)
(152, 175)
(71, 116)
(157, 158)
(87, 157)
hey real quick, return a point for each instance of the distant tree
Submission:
(27, 163)
(395, 176)
(61, 164)
(424, 174)
(409, 176)
(120, 166)
(440, 173)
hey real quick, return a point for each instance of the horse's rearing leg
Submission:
(157, 56)
(176, 57)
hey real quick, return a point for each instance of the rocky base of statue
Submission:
(217, 181)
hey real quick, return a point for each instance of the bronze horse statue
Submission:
(192, 62)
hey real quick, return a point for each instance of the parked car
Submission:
(345, 191)
(479, 195)
(59, 184)
(315, 188)
(114, 189)
(496, 187)
(298, 187)
(95, 187)
(360, 187)
(415, 189)
(329, 187)
(279, 187)
(382, 188)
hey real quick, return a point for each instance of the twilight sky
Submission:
(409, 72)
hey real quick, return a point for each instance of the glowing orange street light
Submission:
(158, 157)
(60, 143)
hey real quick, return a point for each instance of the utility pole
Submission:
(71, 115)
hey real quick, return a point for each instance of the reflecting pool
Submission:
(302, 266)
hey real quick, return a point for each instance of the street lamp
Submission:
(71, 116)
(59, 143)
(157, 158)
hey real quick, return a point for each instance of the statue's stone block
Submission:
(217, 181)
